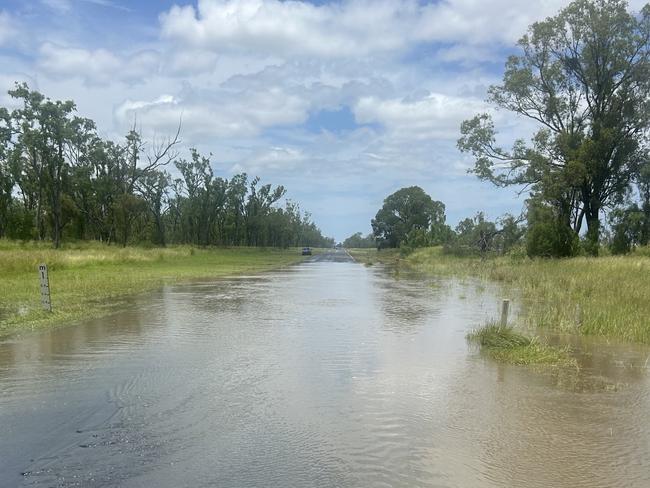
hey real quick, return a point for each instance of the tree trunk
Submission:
(56, 177)
(56, 231)
(593, 230)
(39, 215)
(645, 230)
(127, 228)
(56, 216)
(160, 228)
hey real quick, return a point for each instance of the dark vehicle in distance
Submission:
(306, 251)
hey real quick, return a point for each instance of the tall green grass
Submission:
(91, 278)
(605, 296)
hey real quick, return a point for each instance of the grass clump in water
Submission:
(506, 345)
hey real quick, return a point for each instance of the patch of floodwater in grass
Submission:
(322, 374)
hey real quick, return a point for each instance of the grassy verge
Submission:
(605, 296)
(506, 345)
(372, 256)
(90, 279)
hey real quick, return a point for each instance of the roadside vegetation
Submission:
(578, 257)
(89, 279)
(111, 208)
(605, 296)
(373, 256)
(506, 345)
(61, 182)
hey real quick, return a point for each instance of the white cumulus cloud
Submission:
(349, 28)
(99, 66)
(286, 28)
(423, 117)
(216, 113)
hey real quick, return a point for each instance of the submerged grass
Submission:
(605, 296)
(506, 345)
(90, 279)
(373, 256)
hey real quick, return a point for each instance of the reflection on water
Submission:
(323, 374)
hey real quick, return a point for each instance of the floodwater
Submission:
(324, 374)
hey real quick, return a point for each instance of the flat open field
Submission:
(90, 279)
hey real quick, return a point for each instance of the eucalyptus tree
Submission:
(257, 209)
(627, 225)
(583, 77)
(57, 176)
(26, 161)
(106, 161)
(201, 199)
(154, 187)
(44, 129)
(135, 163)
(80, 185)
(406, 210)
(643, 185)
(233, 224)
(294, 223)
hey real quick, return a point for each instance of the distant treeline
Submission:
(359, 241)
(59, 180)
(411, 219)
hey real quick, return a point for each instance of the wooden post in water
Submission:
(46, 303)
(505, 305)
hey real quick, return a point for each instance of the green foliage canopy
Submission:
(405, 211)
(60, 180)
(358, 241)
(584, 77)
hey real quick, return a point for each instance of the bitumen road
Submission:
(332, 255)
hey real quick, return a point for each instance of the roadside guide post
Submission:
(505, 305)
(46, 303)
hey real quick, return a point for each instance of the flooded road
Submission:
(326, 374)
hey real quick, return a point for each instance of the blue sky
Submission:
(342, 102)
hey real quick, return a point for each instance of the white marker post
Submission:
(46, 303)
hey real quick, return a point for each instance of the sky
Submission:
(342, 102)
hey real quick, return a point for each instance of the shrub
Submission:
(548, 236)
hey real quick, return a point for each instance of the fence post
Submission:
(46, 302)
(505, 305)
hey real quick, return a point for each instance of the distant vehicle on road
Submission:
(306, 251)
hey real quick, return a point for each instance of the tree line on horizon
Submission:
(60, 181)
(411, 219)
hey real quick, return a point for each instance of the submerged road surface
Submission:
(324, 374)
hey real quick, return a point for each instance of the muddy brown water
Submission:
(326, 374)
